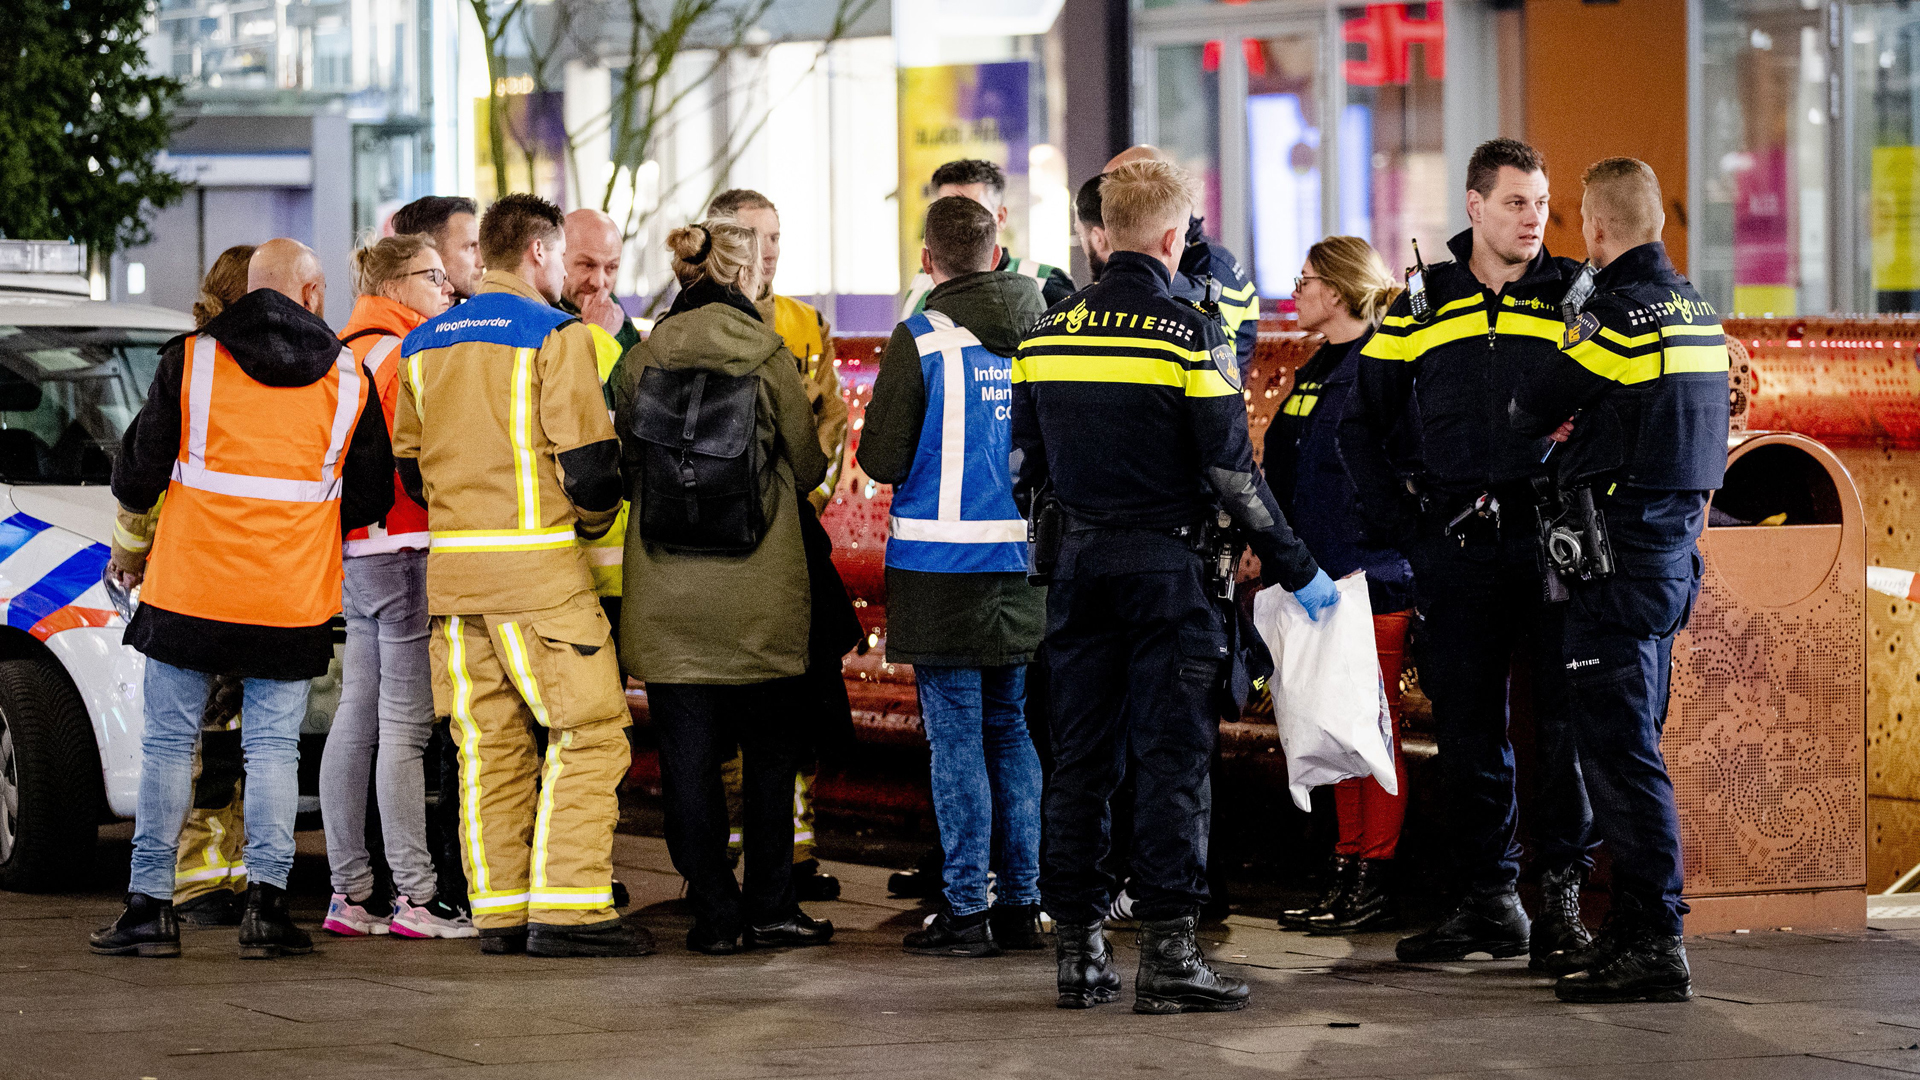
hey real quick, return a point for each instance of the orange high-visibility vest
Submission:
(250, 531)
(406, 524)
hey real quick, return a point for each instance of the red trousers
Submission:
(1369, 817)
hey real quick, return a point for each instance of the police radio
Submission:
(1417, 287)
(1578, 293)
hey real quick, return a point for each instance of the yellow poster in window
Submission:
(1896, 218)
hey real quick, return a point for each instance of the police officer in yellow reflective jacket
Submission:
(1643, 377)
(1127, 410)
(1461, 510)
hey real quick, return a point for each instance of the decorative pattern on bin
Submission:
(1763, 741)
(1846, 382)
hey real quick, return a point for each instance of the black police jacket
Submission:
(1128, 402)
(1239, 307)
(1303, 468)
(1643, 371)
(1444, 385)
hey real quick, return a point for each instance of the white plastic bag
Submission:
(1328, 697)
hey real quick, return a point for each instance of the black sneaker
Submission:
(971, 936)
(1496, 925)
(1018, 927)
(217, 908)
(146, 927)
(613, 937)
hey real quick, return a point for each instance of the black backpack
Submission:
(703, 472)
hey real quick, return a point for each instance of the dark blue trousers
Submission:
(1619, 646)
(1133, 652)
(1482, 604)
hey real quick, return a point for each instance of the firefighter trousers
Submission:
(536, 838)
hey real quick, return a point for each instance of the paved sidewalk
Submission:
(1772, 1005)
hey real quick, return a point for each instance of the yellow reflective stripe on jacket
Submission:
(1713, 330)
(1642, 365)
(413, 376)
(1108, 341)
(1522, 324)
(514, 644)
(1138, 370)
(543, 816)
(1636, 342)
(503, 539)
(1682, 359)
(469, 735)
(588, 899)
(490, 900)
(527, 476)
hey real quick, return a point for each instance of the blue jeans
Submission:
(986, 782)
(386, 700)
(269, 737)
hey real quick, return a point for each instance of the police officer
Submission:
(1444, 371)
(1643, 375)
(1206, 265)
(1127, 409)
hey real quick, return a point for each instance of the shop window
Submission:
(1883, 53)
(1393, 171)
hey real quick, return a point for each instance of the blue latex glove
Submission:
(1318, 595)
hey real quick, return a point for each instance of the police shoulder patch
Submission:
(1580, 328)
(1227, 364)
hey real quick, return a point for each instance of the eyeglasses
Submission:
(1301, 281)
(435, 276)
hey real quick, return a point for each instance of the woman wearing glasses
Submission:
(1342, 293)
(386, 693)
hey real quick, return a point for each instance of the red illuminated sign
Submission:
(1389, 32)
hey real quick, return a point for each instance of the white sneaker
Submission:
(434, 919)
(349, 918)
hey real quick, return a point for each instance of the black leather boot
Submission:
(1017, 927)
(147, 927)
(1369, 902)
(1174, 977)
(1648, 966)
(610, 937)
(1496, 925)
(1085, 959)
(1559, 940)
(1339, 879)
(266, 930)
(947, 936)
(221, 907)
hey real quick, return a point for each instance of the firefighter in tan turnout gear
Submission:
(502, 433)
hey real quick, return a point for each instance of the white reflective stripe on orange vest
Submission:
(382, 351)
(194, 472)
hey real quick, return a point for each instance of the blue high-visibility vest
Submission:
(954, 513)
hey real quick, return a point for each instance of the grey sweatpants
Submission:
(386, 700)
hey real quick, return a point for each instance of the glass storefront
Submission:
(1806, 135)
(1305, 120)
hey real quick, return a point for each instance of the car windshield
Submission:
(66, 395)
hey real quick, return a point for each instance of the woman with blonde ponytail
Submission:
(1342, 293)
(718, 601)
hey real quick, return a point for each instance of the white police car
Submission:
(73, 372)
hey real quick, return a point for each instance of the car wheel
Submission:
(49, 780)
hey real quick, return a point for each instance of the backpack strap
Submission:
(688, 480)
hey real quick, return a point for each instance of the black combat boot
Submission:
(610, 937)
(148, 927)
(1174, 977)
(1646, 965)
(266, 930)
(1559, 940)
(1369, 903)
(1340, 874)
(503, 940)
(1086, 975)
(1017, 926)
(1491, 924)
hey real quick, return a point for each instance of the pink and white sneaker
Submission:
(434, 919)
(350, 918)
